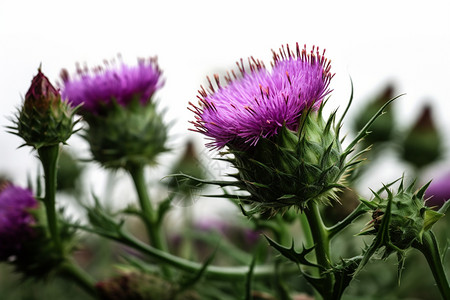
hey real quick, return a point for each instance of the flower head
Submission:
(43, 120)
(259, 102)
(41, 94)
(439, 191)
(15, 219)
(122, 84)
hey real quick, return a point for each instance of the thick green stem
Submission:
(321, 239)
(49, 157)
(73, 272)
(430, 250)
(211, 272)
(149, 215)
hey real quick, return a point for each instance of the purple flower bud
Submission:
(438, 192)
(100, 87)
(15, 220)
(259, 102)
(41, 94)
(44, 119)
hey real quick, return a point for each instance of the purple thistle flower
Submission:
(99, 87)
(257, 104)
(438, 192)
(15, 219)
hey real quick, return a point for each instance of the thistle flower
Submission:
(124, 128)
(272, 123)
(16, 221)
(439, 191)
(101, 87)
(44, 120)
(260, 102)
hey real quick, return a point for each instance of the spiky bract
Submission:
(127, 136)
(408, 216)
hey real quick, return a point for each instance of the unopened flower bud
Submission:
(409, 216)
(41, 95)
(381, 130)
(44, 119)
(422, 145)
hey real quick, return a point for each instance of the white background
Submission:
(372, 42)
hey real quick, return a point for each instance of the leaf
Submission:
(291, 254)
(344, 275)
(381, 239)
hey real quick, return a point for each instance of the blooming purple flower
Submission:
(438, 192)
(15, 219)
(259, 102)
(101, 86)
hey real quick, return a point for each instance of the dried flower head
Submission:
(122, 84)
(260, 101)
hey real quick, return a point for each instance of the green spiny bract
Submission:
(44, 120)
(408, 216)
(126, 136)
(293, 168)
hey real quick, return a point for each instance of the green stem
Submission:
(73, 272)
(321, 239)
(49, 157)
(430, 250)
(149, 216)
(211, 272)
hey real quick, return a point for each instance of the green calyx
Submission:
(294, 168)
(42, 128)
(128, 136)
(408, 216)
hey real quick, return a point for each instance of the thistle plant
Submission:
(290, 160)
(124, 129)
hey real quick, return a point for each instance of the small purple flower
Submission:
(438, 192)
(259, 102)
(99, 87)
(15, 219)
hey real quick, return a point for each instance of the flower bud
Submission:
(41, 95)
(422, 145)
(409, 216)
(381, 130)
(44, 119)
